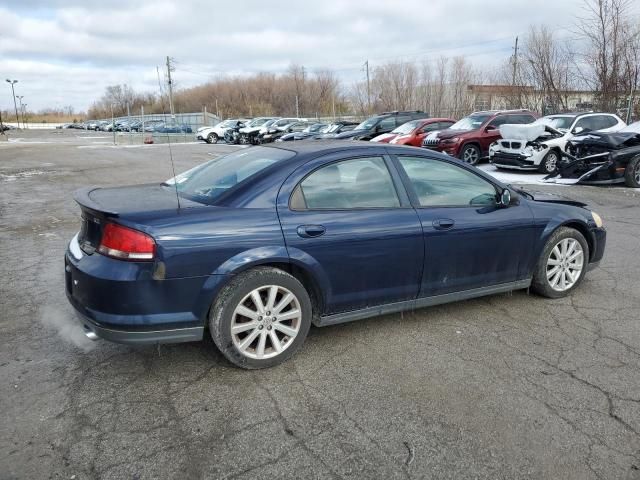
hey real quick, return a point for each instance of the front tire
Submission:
(212, 138)
(550, 162)
(470, 154)
(632, 173)
(562, 264)
(261, 318)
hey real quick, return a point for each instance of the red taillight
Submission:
(126, 244)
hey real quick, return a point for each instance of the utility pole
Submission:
(20, 97)
(15, 105)
(366, 66)
(24, 110)
(631, 95)
(169, 70)
(515, 62)
(297, 108)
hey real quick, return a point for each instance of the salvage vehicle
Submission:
(540, 145)
(379, 124)
(414, 132)
(310, 131)
(274, 133)
(215, 133)
(257, 245)
(336, 128)
(599, 158)
(250, 131)
(469, 139)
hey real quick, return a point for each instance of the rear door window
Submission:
(349, 184)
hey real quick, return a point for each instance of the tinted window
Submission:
(520, 119)
(357, 183)
(441, 184)
(388, 123)
(605, 121)
(431, 127)
(444, 125)
(208, 181)
(501, 120)
(588, 123)
(403, 119)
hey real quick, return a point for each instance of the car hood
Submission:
(612, 141)
(351, 134)
(448, 133)
(544, 197)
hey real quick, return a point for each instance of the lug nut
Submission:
(268, 313)
(260, 327)
(259, 319)
(269, 327)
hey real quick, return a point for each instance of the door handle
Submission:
(311, 231)
(443, 224)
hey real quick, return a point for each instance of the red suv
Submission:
(469, 138)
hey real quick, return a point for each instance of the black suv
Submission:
(383, 123)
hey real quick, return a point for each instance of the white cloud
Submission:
(66, 52)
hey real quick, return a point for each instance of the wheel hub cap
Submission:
(565, 264)
(266, 322)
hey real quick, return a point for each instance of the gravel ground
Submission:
(507, 386)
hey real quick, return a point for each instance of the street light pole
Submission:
(24, 109)
(15, 105)
(20, 97)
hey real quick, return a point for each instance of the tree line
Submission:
(600, 54)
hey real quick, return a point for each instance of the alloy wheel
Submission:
(550, 162)
(266, 322)
(565, 264)
(636, 173)
(470, 155)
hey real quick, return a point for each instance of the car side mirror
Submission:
(505, 198)
(490, 128)
(577, 130)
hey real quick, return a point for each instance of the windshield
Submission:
(256, 122)
(368, 124)
(316, 127)
(407, 127)
(206, 182)
(471, 122)
(559, 123)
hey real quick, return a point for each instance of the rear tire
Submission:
(470, 154)
(241, 320)
(632, 173)
(562, 264)
(212, 138)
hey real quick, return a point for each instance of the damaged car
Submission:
(599, 158)
(540, 145)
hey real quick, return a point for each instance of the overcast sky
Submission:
(65, 52)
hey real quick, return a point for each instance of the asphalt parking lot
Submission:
(507, 386)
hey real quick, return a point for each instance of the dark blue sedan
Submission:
(258, 245)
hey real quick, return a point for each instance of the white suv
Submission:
(539, 146)
(214, 134)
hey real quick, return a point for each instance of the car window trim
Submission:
(394, 180)
(413, 196)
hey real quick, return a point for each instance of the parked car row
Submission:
(133, 125)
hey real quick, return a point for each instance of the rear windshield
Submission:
(206, 182)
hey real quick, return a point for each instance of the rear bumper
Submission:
(94, 331)
(123, 302)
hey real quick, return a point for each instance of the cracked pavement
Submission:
(508, 386)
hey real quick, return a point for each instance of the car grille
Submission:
(507, 144)
(429, 142)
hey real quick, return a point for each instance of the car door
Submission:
(470, 241)
(349, 221)
(426, 130)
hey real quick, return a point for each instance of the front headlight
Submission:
(597, 219)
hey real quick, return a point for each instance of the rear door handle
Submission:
(443, 224)
(311, 231)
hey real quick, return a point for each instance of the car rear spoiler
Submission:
(83, 198)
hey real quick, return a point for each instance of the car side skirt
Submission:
(422, 302)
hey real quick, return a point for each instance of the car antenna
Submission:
(164, 114)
